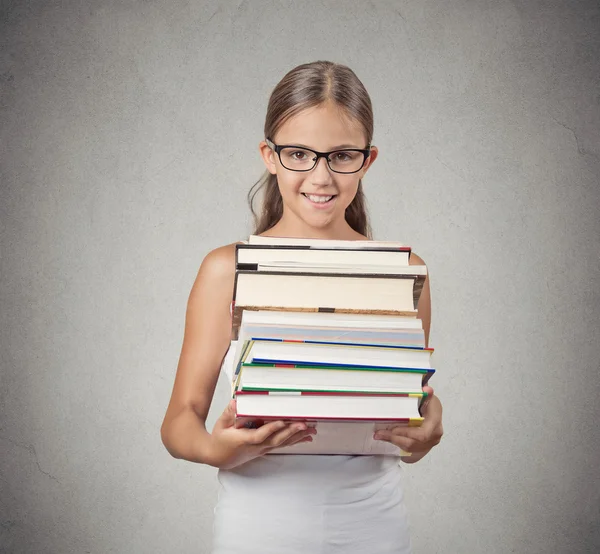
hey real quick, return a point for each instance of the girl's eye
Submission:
(344, 156)
(299, 155)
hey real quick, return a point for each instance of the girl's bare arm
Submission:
(205, 342)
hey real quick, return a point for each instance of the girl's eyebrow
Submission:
(341, 147)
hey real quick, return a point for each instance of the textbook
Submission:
(325, 243)
(340, 437)
(396, 292)
(267, 351)
(345, 406)
(287, 377)
(333, 320)
(254, 254)
(346, 437)
(238, 311)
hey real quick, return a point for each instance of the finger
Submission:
(412, 438)
(432, 414)
(429, 391)
(260, 435)
(405, 443)
(285, 434)
(414, 433)
(300, 436)
(227, 418)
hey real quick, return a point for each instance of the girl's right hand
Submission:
(230, 447)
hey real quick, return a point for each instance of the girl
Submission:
(289, 503)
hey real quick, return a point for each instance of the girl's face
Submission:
(323, 128)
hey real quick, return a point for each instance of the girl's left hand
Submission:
(418, 440)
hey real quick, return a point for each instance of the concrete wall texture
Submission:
(128, 140)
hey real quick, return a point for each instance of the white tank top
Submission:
(300, 504)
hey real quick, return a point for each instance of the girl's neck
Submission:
(343, 232)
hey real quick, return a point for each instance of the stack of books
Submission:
(327, 332)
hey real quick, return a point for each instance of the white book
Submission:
(267, 253)
(282, 405)
(330, 291)
(324, 243)
(256, 377)
(343, 437)
(301, 267)
(370, 321)
(266, 351)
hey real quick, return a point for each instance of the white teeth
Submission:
(318, 199)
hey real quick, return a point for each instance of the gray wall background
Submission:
(128, 140)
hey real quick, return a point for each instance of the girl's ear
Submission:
(268, 157)
(372, 157)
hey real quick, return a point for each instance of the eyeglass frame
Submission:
(277, 148)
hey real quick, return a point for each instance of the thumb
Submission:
(227, 418)
(427, 389)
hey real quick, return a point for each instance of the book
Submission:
(361, 317)
(284, 377)
(332, 320)
(324, 243)
(340, 437)
(362, 270)
(307, 354)
(387, 293)
(253, 254)
(402, 408)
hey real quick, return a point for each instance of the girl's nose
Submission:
(321, 172)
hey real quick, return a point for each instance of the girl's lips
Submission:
(320, 205)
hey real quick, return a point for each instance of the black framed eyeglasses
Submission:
(298, 158)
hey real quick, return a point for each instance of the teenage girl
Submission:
(317, 149)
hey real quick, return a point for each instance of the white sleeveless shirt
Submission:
(310, 504)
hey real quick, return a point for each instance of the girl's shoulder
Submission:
(219, 264)
(415, 260)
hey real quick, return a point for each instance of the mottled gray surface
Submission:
(128, 139)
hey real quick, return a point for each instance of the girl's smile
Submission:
(320, 201)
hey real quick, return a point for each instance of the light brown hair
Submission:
(306, 86)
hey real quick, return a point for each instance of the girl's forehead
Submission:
(324, 126)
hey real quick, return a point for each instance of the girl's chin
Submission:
(320, 220)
